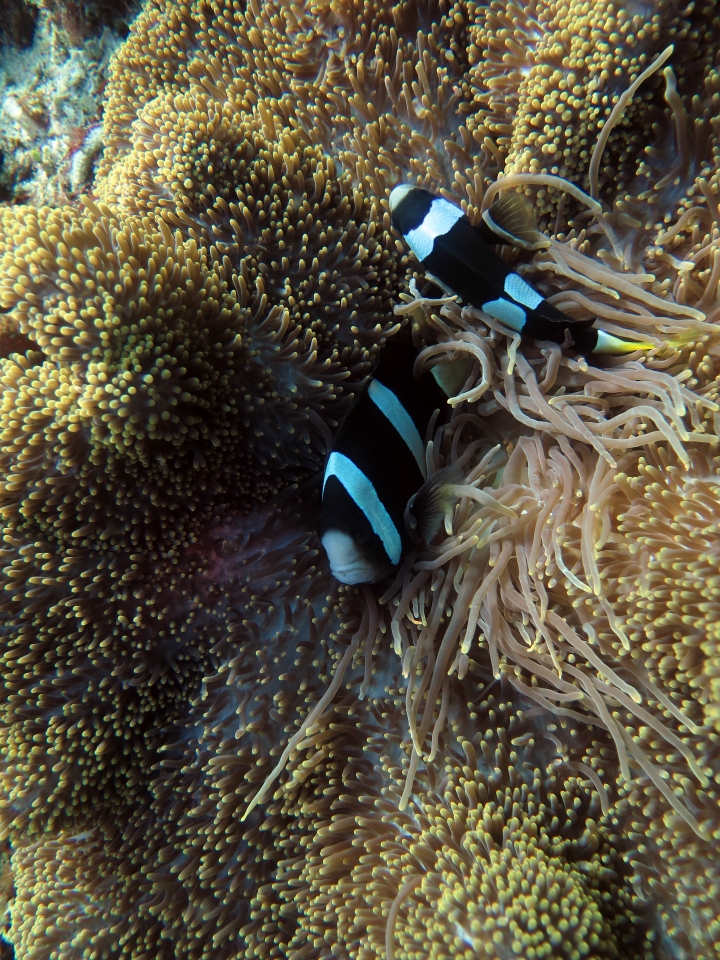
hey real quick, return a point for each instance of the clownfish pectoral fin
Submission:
(512, 219)
(617, 346)
(450, 375)
(425, 510)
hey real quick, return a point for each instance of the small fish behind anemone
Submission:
(377, 498)
(461, 257)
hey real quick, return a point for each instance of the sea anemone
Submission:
(211, 749)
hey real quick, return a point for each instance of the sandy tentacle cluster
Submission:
(470, 864)
(154, 396)
(548, 77)
(510, 750)
(544, 528)
(668, 523)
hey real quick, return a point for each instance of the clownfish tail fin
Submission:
(599, 342)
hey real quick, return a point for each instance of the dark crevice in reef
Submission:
(78, 19)
(5, 193)
(118, 14)
(17, 24)
(81, 20)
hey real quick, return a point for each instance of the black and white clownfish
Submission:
(374, 485)
(461, 257)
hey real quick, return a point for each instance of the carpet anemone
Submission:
(213, 751)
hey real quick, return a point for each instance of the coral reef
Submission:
(210, 749)
(54, 58)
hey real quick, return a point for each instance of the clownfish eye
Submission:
(361, 530)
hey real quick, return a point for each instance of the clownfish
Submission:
(376, 497)
(461, 257)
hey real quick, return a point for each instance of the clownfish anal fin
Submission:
(425, 509)
(512, 219)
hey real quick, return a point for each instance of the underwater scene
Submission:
(359, 480)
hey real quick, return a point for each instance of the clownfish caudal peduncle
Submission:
(460, 255)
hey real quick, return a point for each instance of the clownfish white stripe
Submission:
(439, 220)
(522, 292)
(386, 401)
(363, 493)
(508, 313)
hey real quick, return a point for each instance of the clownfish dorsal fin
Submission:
(512, 218)
(425, 509)
(450, 375)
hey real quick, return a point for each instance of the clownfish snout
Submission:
(347, 563)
